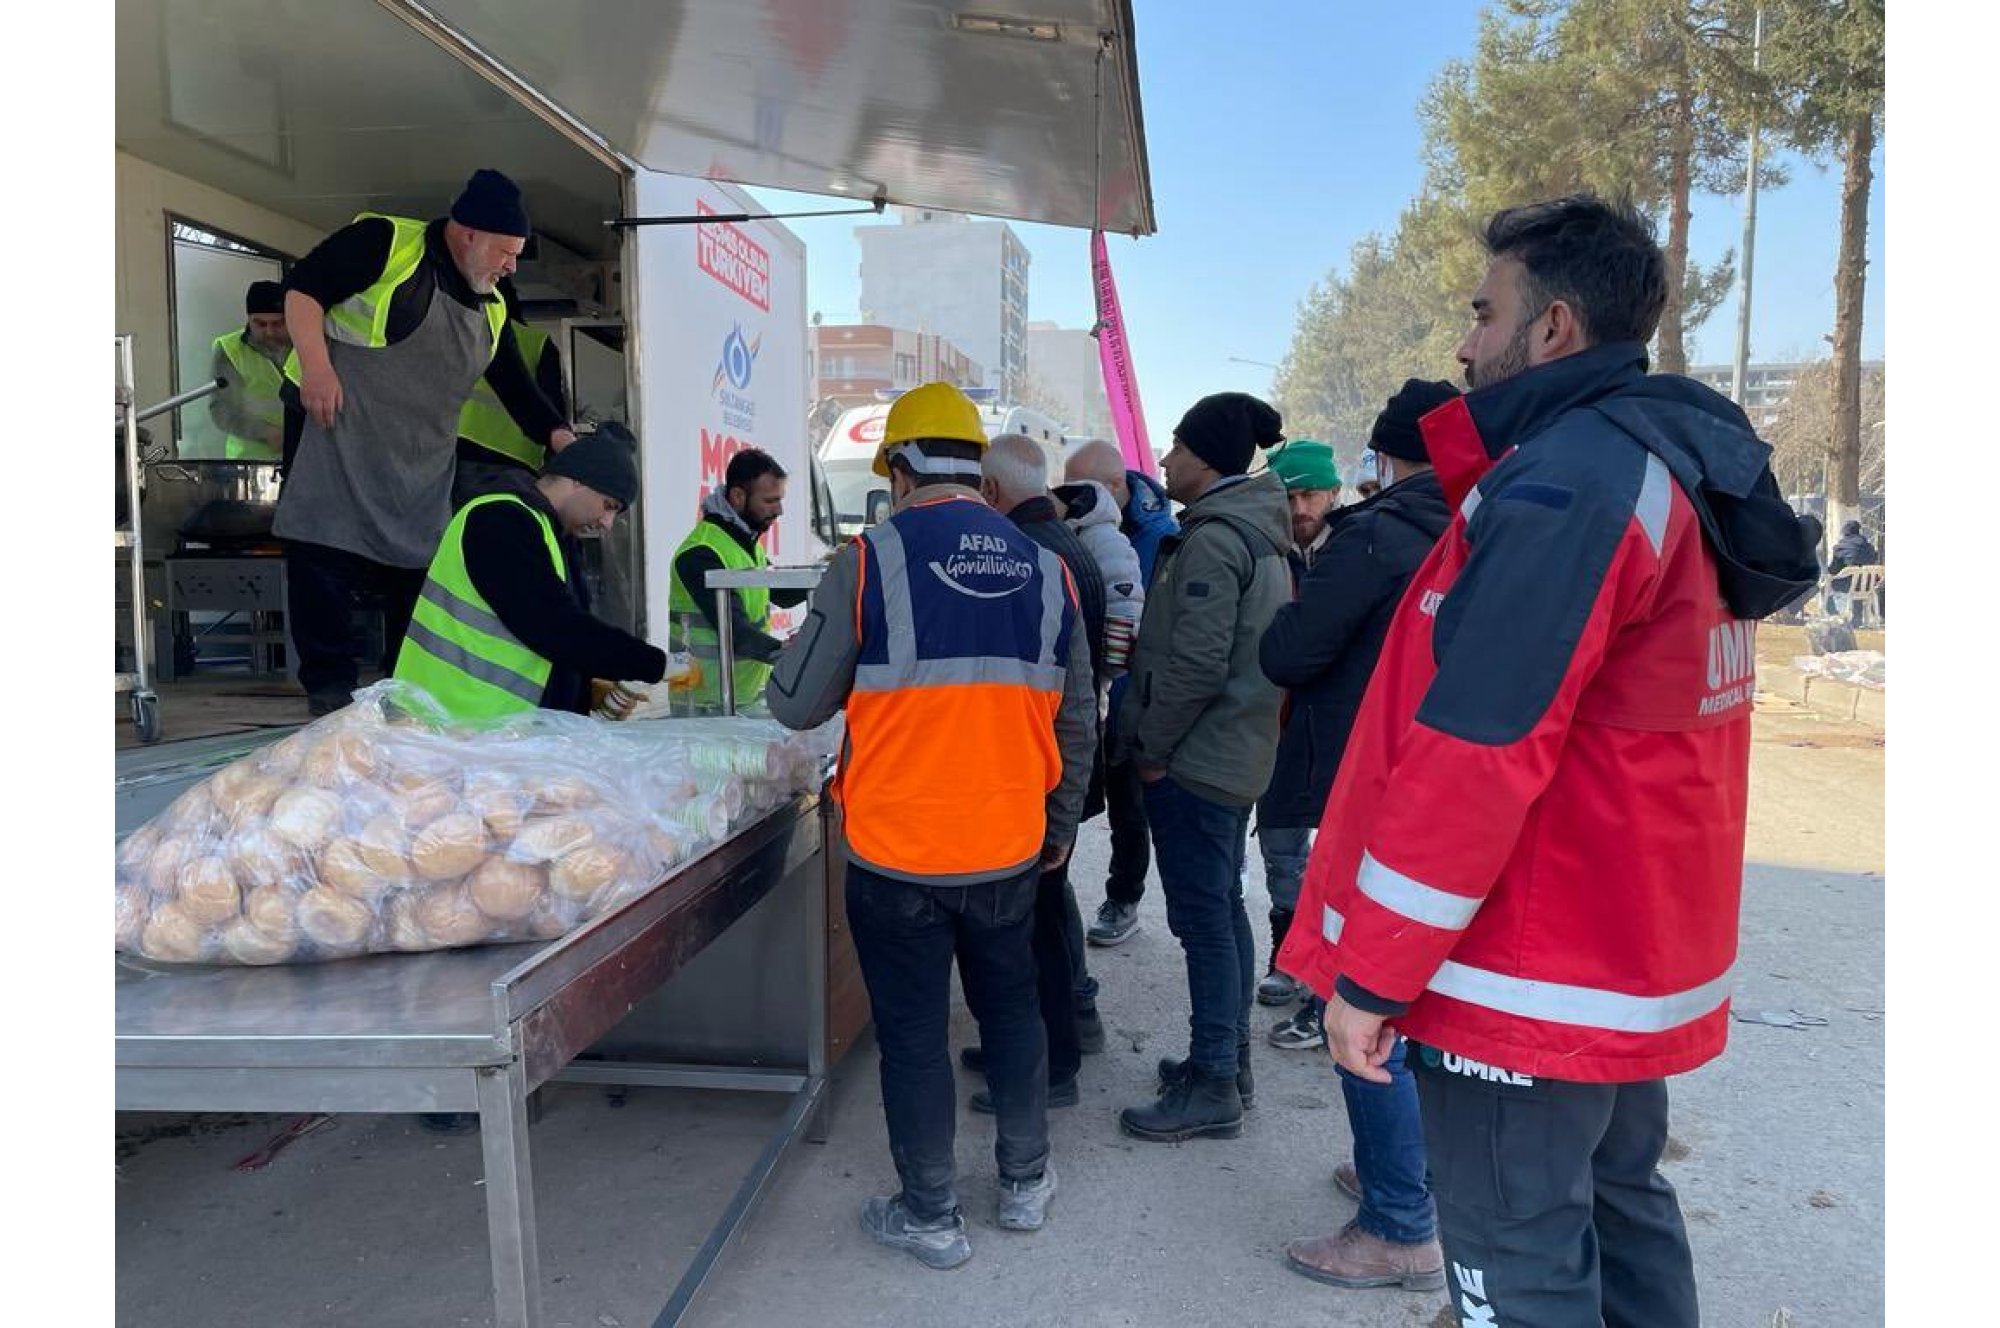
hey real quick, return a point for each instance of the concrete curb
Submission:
(1825, 696)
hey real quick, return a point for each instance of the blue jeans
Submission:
(1199, 847)
(1389, 1154)
(905, 936)
(1285, 849)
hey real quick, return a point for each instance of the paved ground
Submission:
(1778, 1157)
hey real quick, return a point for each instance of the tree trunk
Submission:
(1850, 279)
(1673, 337)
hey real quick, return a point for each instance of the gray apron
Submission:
(378, 483)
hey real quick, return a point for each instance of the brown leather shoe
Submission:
(1353, 1258)
(1348, 1181)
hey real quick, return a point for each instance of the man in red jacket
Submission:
(1531, 857)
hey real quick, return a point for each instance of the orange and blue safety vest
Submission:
(965, 627)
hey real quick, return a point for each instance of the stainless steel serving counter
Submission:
(481, 1029)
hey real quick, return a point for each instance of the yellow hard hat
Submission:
(935, 410)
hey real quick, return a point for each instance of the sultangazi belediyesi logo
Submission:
(739, 360)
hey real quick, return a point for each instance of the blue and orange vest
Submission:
(965, 627)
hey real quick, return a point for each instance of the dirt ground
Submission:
(1777, 1155)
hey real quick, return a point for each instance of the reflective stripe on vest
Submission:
(965, 627)
(257, 395)
(363, 319)
(483, 420)
(457, 649)
(700, 639)
(1560, 1002)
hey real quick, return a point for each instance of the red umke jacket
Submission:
(1533, 851)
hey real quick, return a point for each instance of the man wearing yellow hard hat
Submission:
(954, 644)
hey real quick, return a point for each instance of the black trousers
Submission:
(1550, 1203)
(1131, 851)
(1058, 938)
(323, 586)
(906, 936)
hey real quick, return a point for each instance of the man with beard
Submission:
(504, 624)
(730, 536)
(392, 320)
(249, 412)
(1532, 855)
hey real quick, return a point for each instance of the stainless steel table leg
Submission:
(510, 1196)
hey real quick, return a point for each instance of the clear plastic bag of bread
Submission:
(384, 828)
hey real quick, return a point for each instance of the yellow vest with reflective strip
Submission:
(258, 395)
(457, 649)
(363, 320)
(700, 639)
(483, 420)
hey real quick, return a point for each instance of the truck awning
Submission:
(319, 110)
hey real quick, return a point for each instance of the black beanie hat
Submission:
(264, 297)
(1225, 430)
(1395, 433)
(491, 202)
(603, 461)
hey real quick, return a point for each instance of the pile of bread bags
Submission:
(381, 828)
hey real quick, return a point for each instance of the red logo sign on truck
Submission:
(733, 258)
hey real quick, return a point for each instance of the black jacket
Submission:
(1041, 522)
(508, 562)
(1322, 647)
(1851, 551)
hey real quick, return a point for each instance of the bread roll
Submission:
(385, 848)
(343, 866)
(503, 810)
(449, 847)
(246, 799)
(450, 918)
(164, 863)
(403, 930)
(667, 848)
(247, 944)
(507, 890)
(261, 857)
(284, 760)
(333, 920)
(545, 923)
(306, 818)
(192, 815)
(172, 936)
(546, 838)
(208, 891)
(565, 793)
(274, 910)
(421, 801)
(138, 847)
(580, 874)
(134, 908)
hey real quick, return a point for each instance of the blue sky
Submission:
(1276, 144)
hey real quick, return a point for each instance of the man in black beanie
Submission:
(499, 544)
(1200, 724)
(393, 320)
(249, 412)
(1323, 649)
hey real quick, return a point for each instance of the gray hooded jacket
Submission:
(1093, 514)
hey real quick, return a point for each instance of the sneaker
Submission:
(1089, 1032)
(1246, 1084)
(1191, 1106)
(1065, 1094)
(1352, 1257)
(1302, 1032)
(1279, 989)
(1116, 923)
(1024, 1204)
(1348, 1181)
(938, 1243)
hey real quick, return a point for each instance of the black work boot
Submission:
(1279, 988)
(1191, 1105)
(1246, 1084)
